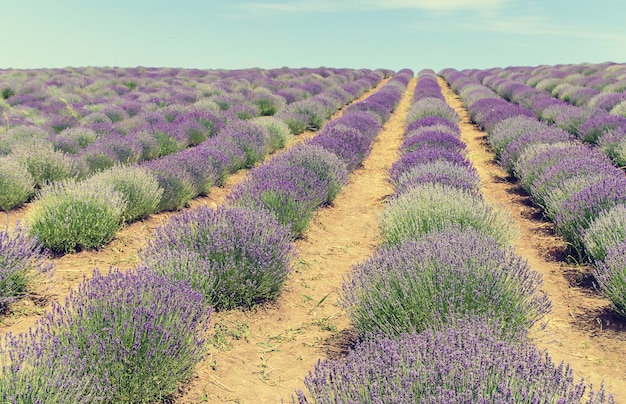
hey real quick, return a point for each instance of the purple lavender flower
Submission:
(330, 170)
(233, 256)
(363, 122)
(510, 129)
(436, 139)
(440, 172)
(433, 121)
(252, 138)
(423, 156)
(465, 362)
(289, 192)
(611, 277)
(548, 135)
(432, 106)
(379, 111)
(605, 232)
(123, 337)
(350, 145)
(580, 209)
(599, 124)
(177, 183)
(422, 285)
(23, 259)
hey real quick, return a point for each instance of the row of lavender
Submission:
(93, 209)
(74, 130)
(576, 186)
(601, 85)
(133, 337)
(590, 123)
(443, 308)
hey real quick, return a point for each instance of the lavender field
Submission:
(313, 235)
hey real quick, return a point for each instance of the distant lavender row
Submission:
(589, 123)
(101, 127)
(576, 186)
(179, 176)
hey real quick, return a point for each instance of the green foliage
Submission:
(16, 183)
(69, 215)
(139, 187)
(432, 207)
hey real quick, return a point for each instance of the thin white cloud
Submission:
(307, 6)
(536, 25)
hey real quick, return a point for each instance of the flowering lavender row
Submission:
(576, 186)
(467, 362)
(434, 295)
(435, 183)
(589, 123)
(81, 121)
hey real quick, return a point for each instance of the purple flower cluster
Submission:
(573, 184)
(467, 362)
(22, 258)
(611, 277)
(123, 337)
(581, 208)
(233, 256)
(446, 274)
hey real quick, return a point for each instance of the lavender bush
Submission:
(22, 259)
(511, 153)
(312, 112)
(425, 284)
(434, 123)
(431, 207)
(137, 185)
(350, 145)
(290, 192)
(425, 155)
(250, 137)
(580, 209)
(611, 277)
(510, 129)
(125, 337)
(376, 110)
(441, 172)
(597, 125)
(278, 132)
(329, 169)
(467, 363)
(16, 183)
(431, 106)
(177, 184)
(233, 256)
(45, 164)
(425, 139)
(605, 232)
(68, 215)
(364, 122)
(613, 144)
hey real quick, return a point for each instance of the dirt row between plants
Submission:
(121, 252)
(581, 329)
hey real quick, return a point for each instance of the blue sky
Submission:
(233, 34)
